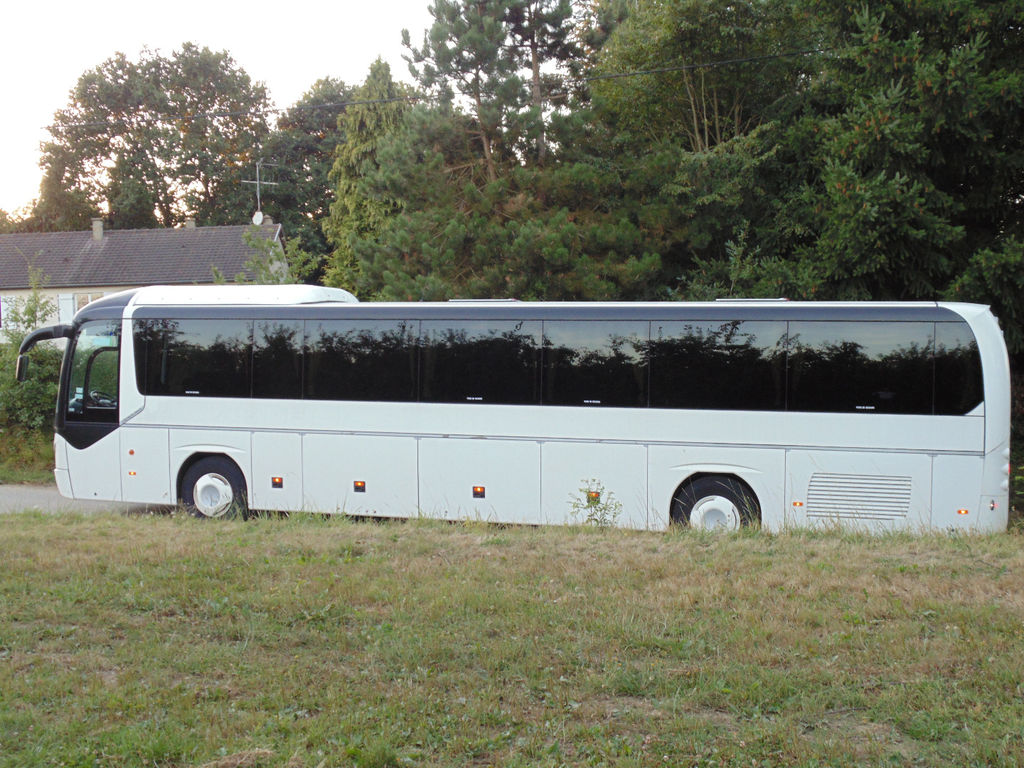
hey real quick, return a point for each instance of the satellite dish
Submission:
(257, 218)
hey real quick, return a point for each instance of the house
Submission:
(78, 267)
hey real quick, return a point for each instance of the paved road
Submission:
(16, 498)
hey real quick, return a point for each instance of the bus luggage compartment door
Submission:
(616, 472)
(276, 471)
(495, 481)
(372, 475)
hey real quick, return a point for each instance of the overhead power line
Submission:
(340, 105)
(708, 65)
(170, 118)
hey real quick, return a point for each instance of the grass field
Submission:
(164, 641)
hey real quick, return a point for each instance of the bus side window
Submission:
(595, 362)
(480, 361)
(958, 384)
(730, 365)
(277, 359)
(195, 357)
(861, 367)
(361, 360)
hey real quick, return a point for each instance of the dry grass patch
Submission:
(173, 642)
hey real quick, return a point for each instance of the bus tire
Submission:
(214, 487)
(715, 502)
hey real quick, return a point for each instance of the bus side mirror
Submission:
(21, 369)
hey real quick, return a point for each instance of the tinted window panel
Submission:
(199, 358)
(849, 367)
(92, 385)
(718, 365)
(595, 363)
(361, 360)
(480, 362)
(277, 359)
(958, 384)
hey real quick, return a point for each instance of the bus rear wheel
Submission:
(715, 502)
(214, 487)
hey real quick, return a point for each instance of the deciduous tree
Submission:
(302, 149)
(154, 141)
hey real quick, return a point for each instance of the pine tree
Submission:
(378, 108)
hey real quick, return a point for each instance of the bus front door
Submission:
(88, 413)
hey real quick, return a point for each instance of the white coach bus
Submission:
(233, 398)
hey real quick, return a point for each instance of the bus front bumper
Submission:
(63, 482)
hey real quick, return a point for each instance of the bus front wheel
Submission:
(214, 487)
(715, 502)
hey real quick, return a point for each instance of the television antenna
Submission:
(257, 218)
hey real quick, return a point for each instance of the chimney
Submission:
(97, 230)
(190, 223)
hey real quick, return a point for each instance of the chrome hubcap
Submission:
(212, 494)
(715, 513)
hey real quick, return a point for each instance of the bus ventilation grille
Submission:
(863, 497)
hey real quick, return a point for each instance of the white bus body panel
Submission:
(276, 455)
(93, 471)
(61, 475)
(763, 469)
(864, 490)
(955, 484)
(994, 505)
(233, 443)
(332, 464)
(146, 465)
(617, 470)
(424, 459)
(506, 470)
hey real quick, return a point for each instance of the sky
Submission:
(47, 46)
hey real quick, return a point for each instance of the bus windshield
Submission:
(92, 384)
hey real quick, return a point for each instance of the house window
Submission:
(81, 299)
(69, 303)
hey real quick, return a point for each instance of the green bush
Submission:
(26, 455)
(30, 403)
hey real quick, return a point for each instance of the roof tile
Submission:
(127, 257)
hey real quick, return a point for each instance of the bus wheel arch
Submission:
(211, 485)
(715, 501)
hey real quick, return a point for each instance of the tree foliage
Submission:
(481, 202)
(642, 148)
(153, 142)
(302, 148)
(995, 276)
(29, 403)
(701, 71)
(905, 155)
(380, 104)
(8, 223)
